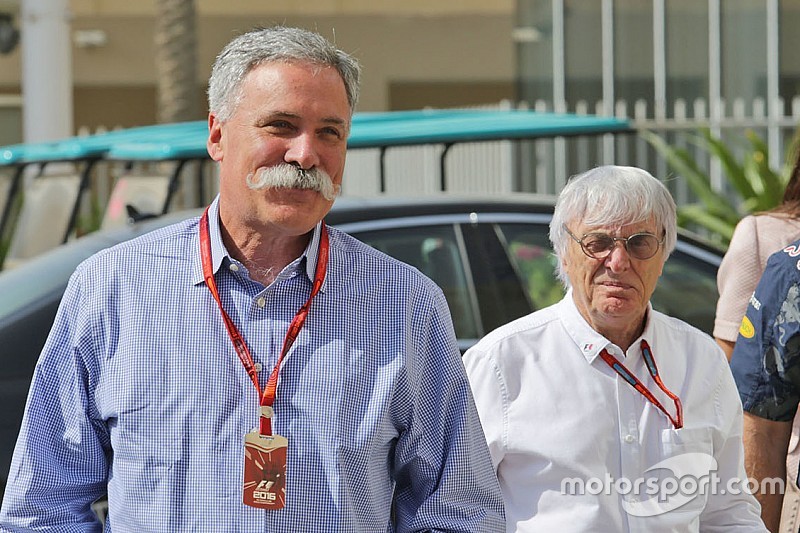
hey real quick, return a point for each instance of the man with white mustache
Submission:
(253, 369)
(287, 176)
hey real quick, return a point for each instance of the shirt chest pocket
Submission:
(675, 442)
(686, 469)
(676, 487)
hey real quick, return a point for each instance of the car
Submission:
(491, 257)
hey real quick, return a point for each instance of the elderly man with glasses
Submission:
(602, 414)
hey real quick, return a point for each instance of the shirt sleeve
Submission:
(737, 277)
(443, 472)
(60, 462)
(491, 399)
(766, 359)
(730, 506)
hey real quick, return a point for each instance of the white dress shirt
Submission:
(574, 444)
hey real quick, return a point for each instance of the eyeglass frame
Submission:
(624, 241)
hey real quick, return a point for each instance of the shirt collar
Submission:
(219, 253)
(311, 254)
(589, 341)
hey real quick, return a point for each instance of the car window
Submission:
(500, 293)
(530, 251)
(687, 290)
(433, 250)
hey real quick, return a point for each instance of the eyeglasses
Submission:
(599, 245)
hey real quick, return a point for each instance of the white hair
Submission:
(612, 195)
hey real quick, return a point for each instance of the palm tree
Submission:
(176, 61)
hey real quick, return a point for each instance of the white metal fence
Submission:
(544, 165)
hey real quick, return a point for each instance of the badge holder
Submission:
(264, 468)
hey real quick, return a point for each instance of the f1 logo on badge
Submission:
(261, 492)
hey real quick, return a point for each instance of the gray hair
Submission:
(612, 195)
(275, 44)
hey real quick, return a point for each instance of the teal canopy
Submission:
(404, 128)
(187, 140)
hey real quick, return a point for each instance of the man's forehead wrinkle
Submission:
(296, 116)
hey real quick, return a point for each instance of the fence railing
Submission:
(544, 165)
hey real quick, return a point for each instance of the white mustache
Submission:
(285, 176)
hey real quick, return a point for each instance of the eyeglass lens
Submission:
(639, 246)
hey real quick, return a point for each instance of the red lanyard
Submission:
(268, 394)
(620, 369)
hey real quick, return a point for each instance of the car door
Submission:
(466, 258)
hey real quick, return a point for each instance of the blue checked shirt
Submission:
(139, 392)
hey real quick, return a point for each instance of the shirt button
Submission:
(257, 366)
(261, 302)
(629, 439)
(234, 267)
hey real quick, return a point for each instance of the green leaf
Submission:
(733, 170)
(685, 166)
(772, 183)
(699, 215)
